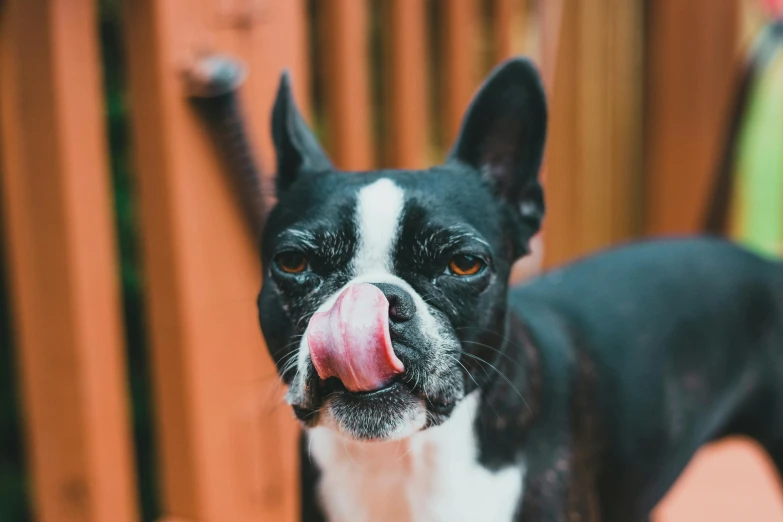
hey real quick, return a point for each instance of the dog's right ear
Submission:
(502, 138)
(296, 146)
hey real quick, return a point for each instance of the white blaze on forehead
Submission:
(378, 211)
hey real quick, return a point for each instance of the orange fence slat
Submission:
(595, 132)
(62, 263)
(690, 73)
(227, 443)
(459, 68)
(348, 84)
(561, 160)
(503, 28)
(407, 104)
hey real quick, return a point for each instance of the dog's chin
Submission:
(394, 412)
(387, 414)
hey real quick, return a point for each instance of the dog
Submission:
(430, 390)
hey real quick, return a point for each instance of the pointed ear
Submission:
(502, 137)
(296, 146)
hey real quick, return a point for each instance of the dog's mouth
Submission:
(388, 413)
(396, 410)
(370, 367)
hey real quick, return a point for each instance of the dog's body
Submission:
(432, 392)
(624, 391)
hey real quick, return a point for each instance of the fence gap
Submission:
(436, 146)
(14, 479)
(378, 38)
(315, 40)
(130, 269)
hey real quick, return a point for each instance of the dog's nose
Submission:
(402, 308)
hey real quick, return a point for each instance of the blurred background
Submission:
(134, 384)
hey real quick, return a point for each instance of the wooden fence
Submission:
(385, 82)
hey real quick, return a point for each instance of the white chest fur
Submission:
(432, 476)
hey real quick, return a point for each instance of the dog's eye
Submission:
(291, 262)
(463, 265)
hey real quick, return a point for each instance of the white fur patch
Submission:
(431, 476)
(378, 210)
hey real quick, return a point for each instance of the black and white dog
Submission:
(431, 391)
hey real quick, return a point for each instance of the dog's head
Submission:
(383, 290)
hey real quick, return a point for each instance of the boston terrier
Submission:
(431, 390)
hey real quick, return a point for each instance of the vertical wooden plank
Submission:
(407, 104)
(503, 28)
(460, 21)
(522, 39)
(626, 120)
(62, 262)
(282, 22)
(227, 444)
(594, 152)
(592, 64)
(689, 83)
(348, 84)
(551, 20)
(562, 155)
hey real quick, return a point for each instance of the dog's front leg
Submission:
(560, 478)
(559, 487)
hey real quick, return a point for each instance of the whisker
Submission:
(500, 352)
(500, 336)
(467, 372)
(479, 359)
(474, 380)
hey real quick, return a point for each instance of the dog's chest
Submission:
(432, 476)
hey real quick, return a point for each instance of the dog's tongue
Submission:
(351, 341)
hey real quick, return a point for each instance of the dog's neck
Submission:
(431, 475)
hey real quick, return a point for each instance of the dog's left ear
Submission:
(297, 148)
(503, 135)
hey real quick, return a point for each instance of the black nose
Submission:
(401, 305)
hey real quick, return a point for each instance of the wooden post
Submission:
(227, 443)
(407, 105)
(594, 152)
(63, 263)
(690, 78)
(460, 21)
(503, 29)
(347, 85)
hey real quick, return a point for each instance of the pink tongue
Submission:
(351, 341)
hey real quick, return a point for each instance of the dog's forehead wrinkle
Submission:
(304, 235)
